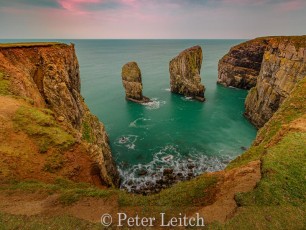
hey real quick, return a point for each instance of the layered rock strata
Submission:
(48, 75)
(185, 71)
(272, 65)
(240, 67)
(283, 66)
(132, 83)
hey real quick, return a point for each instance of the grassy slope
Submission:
(278, 201)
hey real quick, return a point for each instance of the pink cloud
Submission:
(291, 5)
(76, 5)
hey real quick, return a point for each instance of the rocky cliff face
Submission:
(283, 65)
(48, 75)
(132, 83)
(185, 73)
(272, 65)
(240, 67)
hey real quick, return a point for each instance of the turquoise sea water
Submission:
(172, 131)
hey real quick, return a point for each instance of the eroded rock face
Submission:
(48, 74)
(272, 65)
(240, 67)
(132, 83)
(283, 65)
(185, 71)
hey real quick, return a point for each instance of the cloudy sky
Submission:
(151, 18)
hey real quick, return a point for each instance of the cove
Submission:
(173, 136)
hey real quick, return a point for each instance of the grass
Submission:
(86, 134)
(184, 197)
(62, 222)
(42, 127)
(29, 44)
(283, 172)
(291, 109)
(184, 194)
(4, 85)
(54, 162)
(70, 192)
(278, 201)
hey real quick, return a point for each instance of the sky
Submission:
(151, 19)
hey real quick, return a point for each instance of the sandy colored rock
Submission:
(185, 71)
(282, 67)
(272, 65)
(132, 83)
(240, 67)
(48, 75)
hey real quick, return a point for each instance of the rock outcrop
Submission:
(132, 83)
(48, 75)
(185, 73)
(240, 67)
(283, 65)
(272, 65)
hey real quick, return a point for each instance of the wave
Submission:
(128, 141)
(185, 98)
(154, 104)
(140, 123)
(150, 177)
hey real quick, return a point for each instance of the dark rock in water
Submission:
(185, 73)
(190, 166)
(142, 172)
(243, 148)
(132, 83)
(168, 171)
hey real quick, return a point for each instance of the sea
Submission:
(173, 131)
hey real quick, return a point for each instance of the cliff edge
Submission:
(272, 65)
(40, 82)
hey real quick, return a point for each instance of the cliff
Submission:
(44, 81)
(240, 67)
(132, 83)
(283, 65)
(272, 65)
(185, 71)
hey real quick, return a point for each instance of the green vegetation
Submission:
(42, 126)
(54, 162)
(4, 85)
(87, 132)
(62, 222)
(283, 181)
(278, 201)
(69, 191)
(292, 109)
(30, 44)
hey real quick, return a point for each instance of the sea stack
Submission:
(132, 83)
(185, 76)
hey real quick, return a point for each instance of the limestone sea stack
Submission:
(185, 76)
(132, 83)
